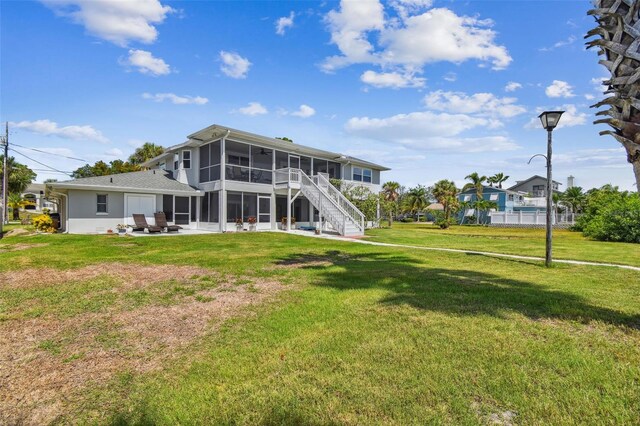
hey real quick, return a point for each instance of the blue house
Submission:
(506, 201)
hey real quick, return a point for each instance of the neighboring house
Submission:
(506, 200)
(220, 176)
(35, 194)
(535, 186)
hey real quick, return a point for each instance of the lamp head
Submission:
(550, 119)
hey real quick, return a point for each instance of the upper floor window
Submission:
(362, 175)
(186, 159)
(493, 197)
(210, 162)
(467, 198)
(101, 204)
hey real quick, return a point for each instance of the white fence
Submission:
(530, 218)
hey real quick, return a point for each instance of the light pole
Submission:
(549, 121)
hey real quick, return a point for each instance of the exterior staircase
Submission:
(335, 208)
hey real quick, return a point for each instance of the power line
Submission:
(51, 153)
(39, 162)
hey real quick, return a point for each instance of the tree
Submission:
(476, 181)
(361, 197)
(417, 199)
(284, 138)
(145, 152)
(445, 193)
(390, 197)
(100, 168)
(20, 176)
(497, 179)
(484, 206)
(617, 39)
(573, 198)
(15, 202)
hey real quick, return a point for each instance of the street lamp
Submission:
(549, 121)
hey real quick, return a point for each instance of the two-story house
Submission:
(505, 200)
(535, 186)
(222, 176)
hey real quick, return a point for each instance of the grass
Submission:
(529, 242)
(367, 335)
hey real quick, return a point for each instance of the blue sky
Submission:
(432, 89)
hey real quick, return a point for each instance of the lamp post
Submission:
(549, 121)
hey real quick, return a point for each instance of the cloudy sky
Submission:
(432, 89)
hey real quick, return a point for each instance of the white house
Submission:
(221, 176)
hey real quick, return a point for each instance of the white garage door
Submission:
(139, 204)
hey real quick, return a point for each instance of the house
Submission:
(535, 186)
(222, 176)
(506, 200)
(35, 194)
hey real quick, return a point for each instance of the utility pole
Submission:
(5, 175)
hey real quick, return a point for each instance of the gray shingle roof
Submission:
(147, 180)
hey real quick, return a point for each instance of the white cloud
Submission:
(254, 108)
(571, 117)
(512, 86)
(559, 89)
(483, 104)
(119, 22)
(429, 131)
(450, 76)
(114, 152)
(411, 40)
(146, 63)
(393, 80)
(284, 22)
(589, 97)
(569, 41)
(234, 65)
(51, 128)
(175, 99)
(305, 111)
(592, 157)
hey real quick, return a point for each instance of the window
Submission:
(467, 198)
(194, 209)
(493, 197)
(362, 175)
(167, 207)
(234, 206)
(101, 204)
(176, 161)
(510, 197)
(282, 160)
(366, 175)
(186, 159)
(357, 174)
(320, 166)
(334, 170)
(210, 162)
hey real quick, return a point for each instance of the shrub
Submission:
(441, 220)
(408, 219)
(617, 220)
(43, 223)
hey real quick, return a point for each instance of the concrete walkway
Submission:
(481, 253)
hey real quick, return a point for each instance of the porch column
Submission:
(289, 207)
(222, 207)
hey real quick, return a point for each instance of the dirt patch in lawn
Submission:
(18, 247)
(47, 364)
(130, 275)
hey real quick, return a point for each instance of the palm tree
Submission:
(617, 39)
(390, 196)
(146, 152)
(445, 193)
(498, 178)
(574, 198)
(476, 181)
(416, 200)
(15, 202)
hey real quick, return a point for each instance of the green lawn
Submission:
(527, 242)
(360, 335)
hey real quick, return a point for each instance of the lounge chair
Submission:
(161, 221)
(141, 224)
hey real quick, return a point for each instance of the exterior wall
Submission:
(82, 215)
(527, 187)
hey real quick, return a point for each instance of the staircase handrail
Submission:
(348, 206)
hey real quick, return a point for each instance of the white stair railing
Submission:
(356, 215)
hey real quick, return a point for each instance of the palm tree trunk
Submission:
(390, 218)
(636, 172)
